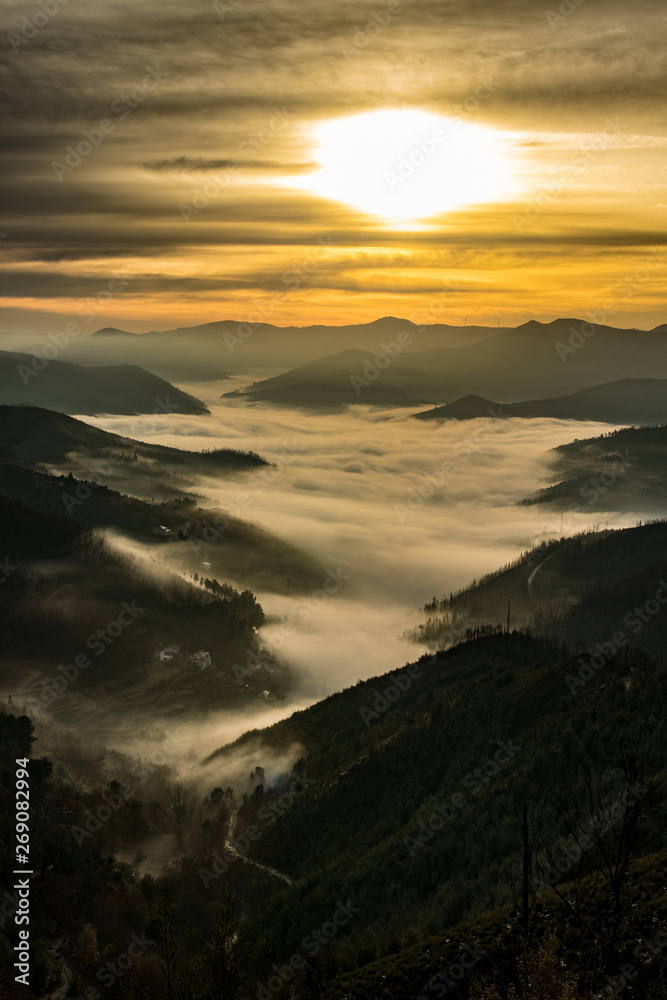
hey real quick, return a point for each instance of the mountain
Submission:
(491, 949)
(70, 388)
(347, 378)
(579, 590)
(625, 401)
(40, 438)
(534, 360)
(214, 350)
(63, 586)
(412, 784)
(625, 470)
(61, 466)
(415, 784)
(112, 331)
(185, 538)
(369, 846)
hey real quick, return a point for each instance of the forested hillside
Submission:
(584, 590)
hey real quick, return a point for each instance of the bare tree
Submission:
(222, 967)
(611, 837)
(180, 801)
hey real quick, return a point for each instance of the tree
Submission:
(222, 968)
(180, 802)
(610, 837)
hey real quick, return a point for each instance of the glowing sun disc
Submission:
(407, 164)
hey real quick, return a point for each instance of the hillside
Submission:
(69, 599)
(625, 470)
(394, 805)
(345, 379)
(492, 948)
(70, 388)
(532, 361)
(37, 437)
(625, 401)
(183, 537)
(416, 782)
(64, 467)
(580, 590)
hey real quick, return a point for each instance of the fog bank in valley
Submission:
(395, 509)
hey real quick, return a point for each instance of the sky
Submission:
(185, 163)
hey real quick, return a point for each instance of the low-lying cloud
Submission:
(395, 509)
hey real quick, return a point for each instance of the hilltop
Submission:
(70, 388)
(625, 401)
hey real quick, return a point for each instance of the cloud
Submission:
(221, 82)
(179, 164)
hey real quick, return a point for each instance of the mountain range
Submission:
(625, 401)
(69, 388)
(525, 363)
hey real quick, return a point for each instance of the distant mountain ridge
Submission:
(523, 362)
(534, 361)
(640, 401)
(214, 350)
(70, 388)
(112, 331)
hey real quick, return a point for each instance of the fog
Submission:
(396, 509)
(393, 509)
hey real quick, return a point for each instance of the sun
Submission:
(407, 165)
